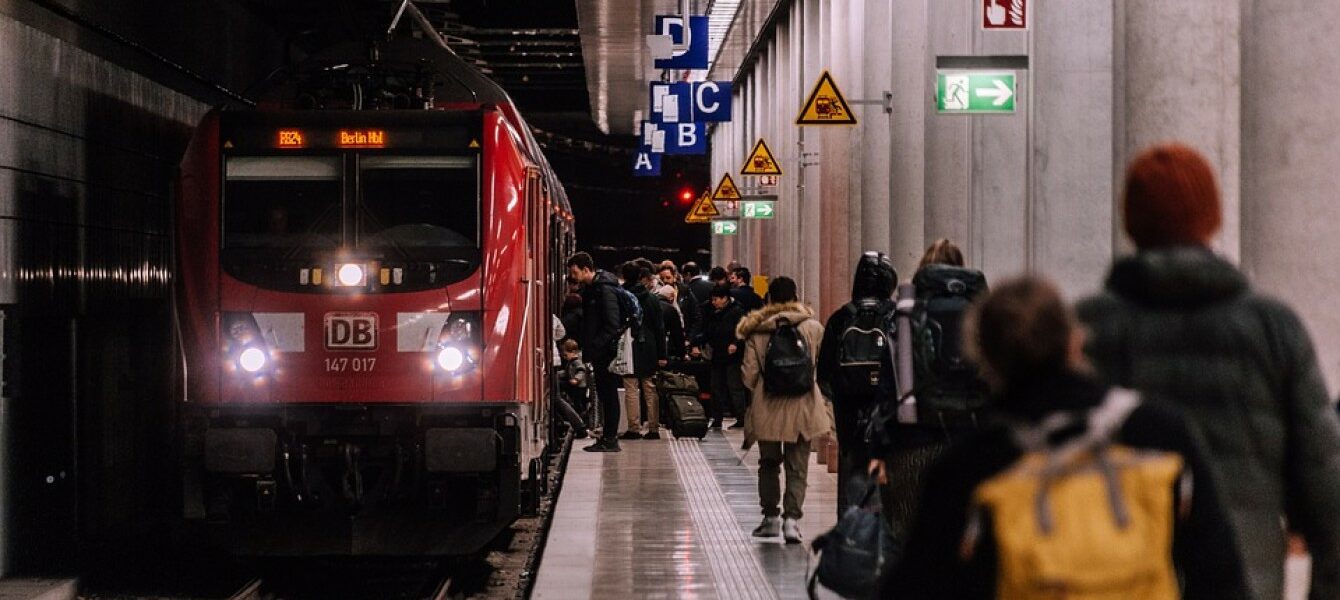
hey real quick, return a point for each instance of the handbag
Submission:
(623, 357)
(855, 554)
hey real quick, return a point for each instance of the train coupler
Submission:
(266, 492)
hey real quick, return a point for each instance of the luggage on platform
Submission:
(685, 415)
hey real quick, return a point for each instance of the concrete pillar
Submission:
(811, 209)
(1290, 139)
(874, 46)
(911, 98)
(1071, 218)
(781, 141)
(1178, 78)
(849, 162)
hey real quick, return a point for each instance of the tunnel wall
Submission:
(96, 105)
(1038, 190)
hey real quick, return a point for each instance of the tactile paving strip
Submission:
(736, 571)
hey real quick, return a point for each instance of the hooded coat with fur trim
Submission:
(780, 419)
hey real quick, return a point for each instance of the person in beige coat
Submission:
(783, 427)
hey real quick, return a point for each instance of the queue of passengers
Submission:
(1162, 440)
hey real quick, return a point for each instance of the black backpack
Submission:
(865, 349)
(630, 310)
(944, 381)
(788, 366)
(854, 555)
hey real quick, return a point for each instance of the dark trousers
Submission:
(906, 468)
(570, 414)
(607, 394)
(853, 462)
(728, 390)
(772, 458)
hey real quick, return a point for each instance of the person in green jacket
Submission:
(1180, 324)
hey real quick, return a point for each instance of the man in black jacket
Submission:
(700, 286)
(601, 327)
(649, 354)
(718, 334)
(742, 290)
(872, 291)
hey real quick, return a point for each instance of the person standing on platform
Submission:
(602, 324)
(781, 341)
(1103, 489)
(688, 308)
(676, 344)
(1183, 325)
(572, 316)
(723, 349)
(648, 356)
(699, 284)
(742, 289)
(950, 396)
(857, 353)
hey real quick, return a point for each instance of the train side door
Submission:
(539, 336)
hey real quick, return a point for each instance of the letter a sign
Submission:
(826, 106)
(760, 161)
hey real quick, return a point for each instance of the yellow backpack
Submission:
(1087, 519)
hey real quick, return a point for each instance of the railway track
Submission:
(261, 589)
(504, 570)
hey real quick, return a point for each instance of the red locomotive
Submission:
(367, 266)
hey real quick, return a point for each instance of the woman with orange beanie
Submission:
(1182, 325)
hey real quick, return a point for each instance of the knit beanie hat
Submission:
(1172, 198)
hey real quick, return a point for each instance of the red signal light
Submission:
(686, 197)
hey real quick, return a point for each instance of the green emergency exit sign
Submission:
(757, 209)
(725, 227)
(970, 92)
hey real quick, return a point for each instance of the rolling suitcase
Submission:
(685, 415)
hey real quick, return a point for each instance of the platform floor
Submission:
(672, 519)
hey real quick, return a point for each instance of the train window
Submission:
(422, 207)
(280, 206)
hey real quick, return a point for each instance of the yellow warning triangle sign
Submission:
(826, 106)
(726, 190)
(703, 210)
(474, 143)
(760, 161)
(228, 144)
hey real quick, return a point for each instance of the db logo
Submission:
(351, 331)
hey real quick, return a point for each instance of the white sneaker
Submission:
(770, 527)
(791, 531)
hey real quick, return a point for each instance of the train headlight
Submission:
(252, 360)
(450, 359)
(351, 275)
(244, 348)
(459, 344)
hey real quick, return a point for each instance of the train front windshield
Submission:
(283, 214)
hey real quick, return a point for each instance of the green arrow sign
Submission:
(757, 209)
(975, 92)
(725, 227)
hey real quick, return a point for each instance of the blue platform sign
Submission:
(675, 138)
(701, 102)
(689, 44)
(646, 163)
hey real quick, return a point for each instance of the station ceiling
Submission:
(530, 47)
(618, 66)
